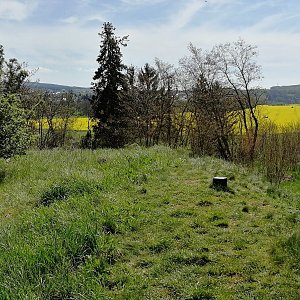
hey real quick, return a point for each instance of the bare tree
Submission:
(150, 97)
(53, 114)
(148, 101)
(168, 96)
(211, 105)
(239, 71)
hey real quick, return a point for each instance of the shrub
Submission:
(13, 131)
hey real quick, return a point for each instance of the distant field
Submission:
(75, 123)
(280, 115)
(81, 123)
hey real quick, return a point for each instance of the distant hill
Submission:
(57, 88)
(274, 96)
(283, 94)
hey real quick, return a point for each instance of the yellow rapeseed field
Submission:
(280, 115)
(81, 123)
(74, 123)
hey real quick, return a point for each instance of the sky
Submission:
(59, 38)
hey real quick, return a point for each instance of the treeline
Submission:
(207, 103)
(284, 94)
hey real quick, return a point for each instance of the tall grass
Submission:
(142, 223)
(279, 151)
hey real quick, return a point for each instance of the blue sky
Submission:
(60, 37)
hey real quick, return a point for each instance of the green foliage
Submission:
(13, 134)
(12, 75)
(109, 81)
(13, 131)
(150, 98)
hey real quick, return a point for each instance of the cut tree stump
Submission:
(220, 183)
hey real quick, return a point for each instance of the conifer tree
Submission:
(109, 82)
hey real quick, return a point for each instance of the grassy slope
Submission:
(143, 224)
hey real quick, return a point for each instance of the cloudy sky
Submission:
(60, 37)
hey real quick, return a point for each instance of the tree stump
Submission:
(220, 183)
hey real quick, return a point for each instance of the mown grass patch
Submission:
(95, 235)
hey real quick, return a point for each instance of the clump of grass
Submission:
(186, 259)
(182, 213)
(222, 225)
(159, 247)
(201, 294)
(67, 188)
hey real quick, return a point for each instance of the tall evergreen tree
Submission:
(109, 82)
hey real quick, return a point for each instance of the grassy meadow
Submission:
(144, 224)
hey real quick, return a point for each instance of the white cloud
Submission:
(70, 20)
(71, 49)
(141, 2)
(184, 15)
(278, 50)
(267, 22)
(17, 10)
(97, 17)
(45, 70)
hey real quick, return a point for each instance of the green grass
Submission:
(144, 224)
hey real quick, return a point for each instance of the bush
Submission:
(13, 130)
